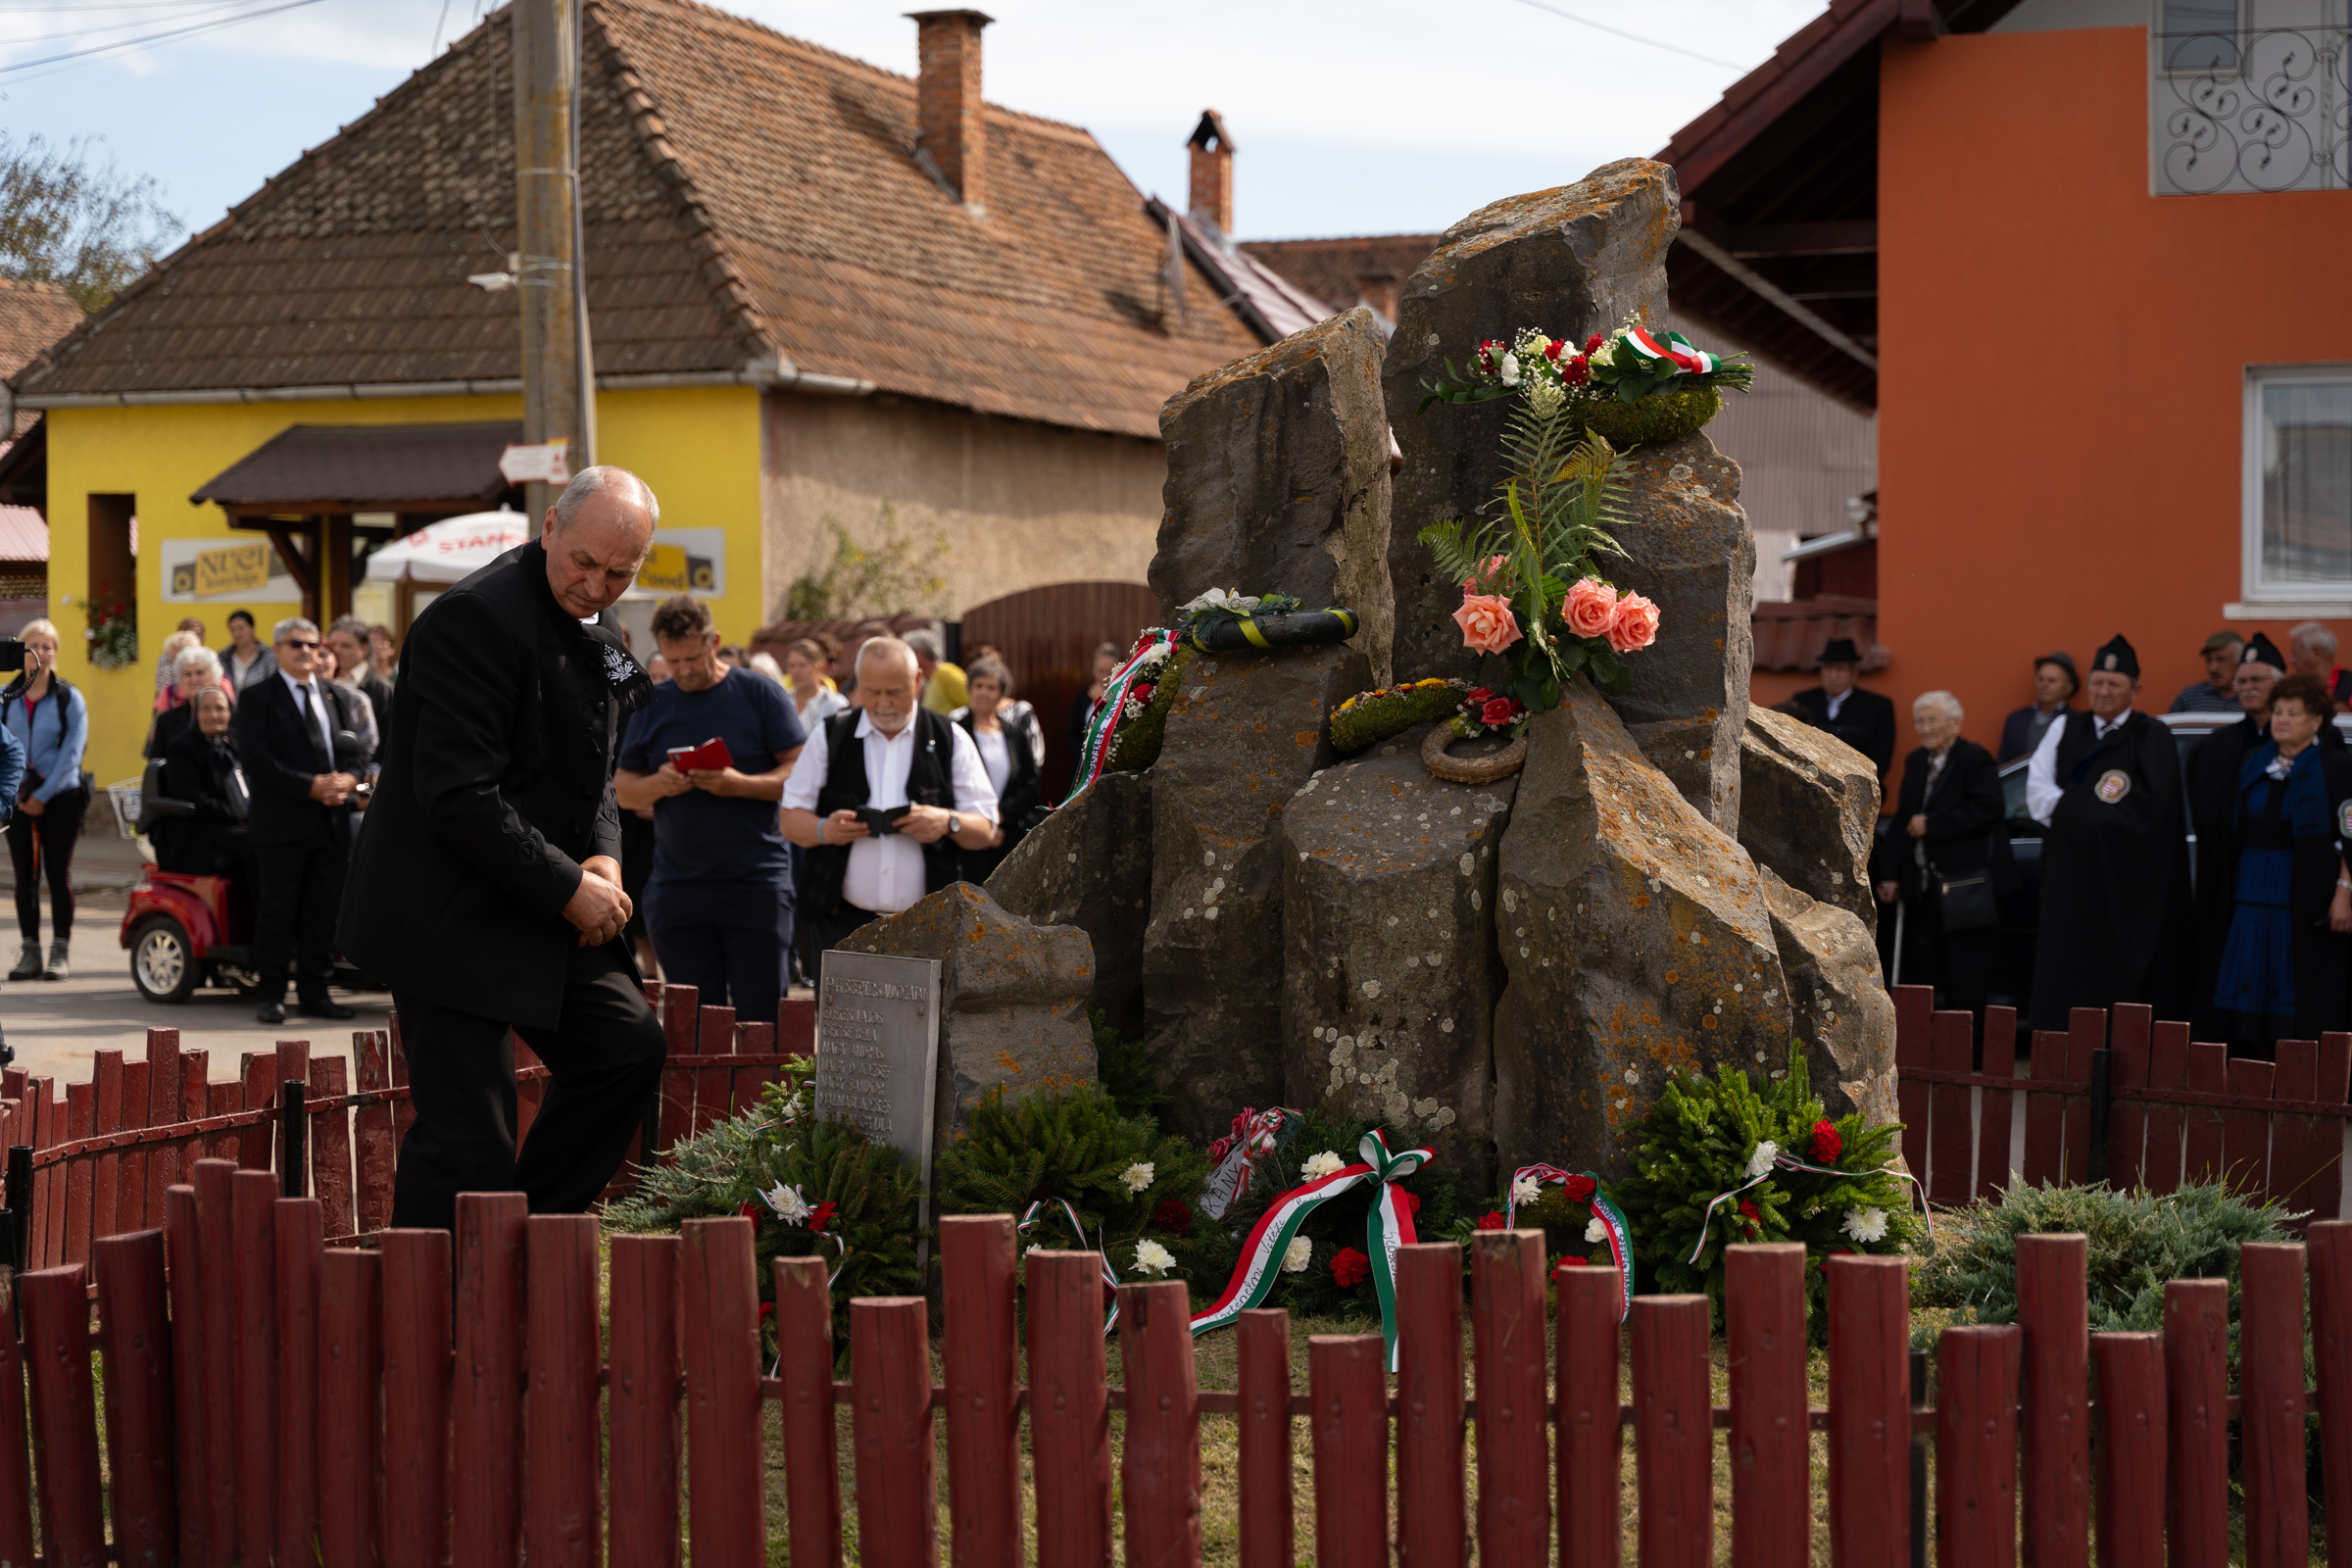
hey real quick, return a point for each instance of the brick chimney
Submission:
(1377, 288)
(1212, 175)
(952, 137)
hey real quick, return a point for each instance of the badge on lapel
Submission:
(2343, 821)
(2113, 785)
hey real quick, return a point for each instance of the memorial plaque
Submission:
(877, 1049)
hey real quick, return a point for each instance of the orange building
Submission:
(2089, 262)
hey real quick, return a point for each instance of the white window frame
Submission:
(2283, 601)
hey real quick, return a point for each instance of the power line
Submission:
(1633, 37)
(156, 37)
(64, 33)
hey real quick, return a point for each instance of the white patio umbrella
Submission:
(451, 550)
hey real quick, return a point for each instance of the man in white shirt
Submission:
(906, 760)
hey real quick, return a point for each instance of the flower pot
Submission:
(1660, 416)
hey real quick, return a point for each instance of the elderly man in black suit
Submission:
(300, 818)
(487, 889)
(1862, 720)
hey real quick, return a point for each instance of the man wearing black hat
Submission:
(1862, 720)
(2055, 682)
(2114, 865)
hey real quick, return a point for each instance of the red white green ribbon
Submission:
(1673, 347)
(1604, 1210)
(1388, 1227)
(1787, 1161)
(1141, 670)
(1254, 1132)
(1100, 1250)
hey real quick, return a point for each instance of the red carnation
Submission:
(1351, 1268)
(1492, 1220)
(1552, 350)
(1827, 1145)
(1577, 1189)
(1592, 344)
(768, 1309)
(1570, 1260)
(1498, 711)
(1219, 1150)
(1173, 1217)
(820, 1216)
(1576, 371)
(748, 1211)
(1410, 1200)
(1748, 1211)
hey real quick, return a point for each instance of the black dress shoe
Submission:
(324, 1007)
(270, 1012)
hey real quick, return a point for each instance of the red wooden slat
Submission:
(678, 1021)
(372, 1134)
(1993, 1114)
(1268, 1524)
(485, 1413)
(330, 1146)
(976, 1254)
(1586, 1418)
(1975, 1445)
(130, 1168)
(299, 1232)
(253, 1271)
(216, 1226)
(2330, 1244)
(2300, 1144)
(2086, 1032)
(164, 1163)
(890, 1386)
(224, 1100)
(2208, 1071)
(1159, 1465)
(2046, 1121)
(1507, 1320)
(2053, 1313)
(647, 1441)
(185, 1256)
(2271, 1406)
(2131, 1447)
(1950, 1138)
(2197, 1373)
(42, 1252)
(15, 1451)
(12, 1081)
(2168, 1068)
(106, 1084)
(351, 1356)
(2246, 1134)
(1349, 1396)
(795, 1026)
(1771, 1449)
(141, 1435)
(404, 1111)
(80, 1120)
(1914, 1006)
(1870, 1408)
(53, 1205)
(563, 1509)
(2128, 1029)
(1430, 1527)
(726, 1505)
(714, 1035)
(1673, 1431)
(293, 1067)
(258, 1072)
(752, 1040)
(805, 1366)
(416, 1368)
(1069, 1411)
(528, 1091)
(65, 1416)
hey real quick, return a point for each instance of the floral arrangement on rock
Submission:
(1631, 384)
(1720, 1162)
(1581, 1220)
(1369, 717)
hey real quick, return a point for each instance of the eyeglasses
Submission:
(297, 642)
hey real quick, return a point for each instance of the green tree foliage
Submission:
(900, 575)
(1125, 1069)
(69, 218)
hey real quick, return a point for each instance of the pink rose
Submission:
(1591, 608)
(1488, 574)
(1635, 624)
(1486, 622)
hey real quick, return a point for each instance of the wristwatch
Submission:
(954, 824)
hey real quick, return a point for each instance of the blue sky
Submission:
(1350, 116)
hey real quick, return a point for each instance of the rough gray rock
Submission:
(1684, 750)
(1837, 1005)
(1012, 999)
(1390, 971)
(1808, 803)
(1573, 261)
(1277, 479)
(1246, 731)
(1636, 939)
(1089, 865)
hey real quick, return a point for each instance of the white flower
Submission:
(1595, 1231)
(1510, 369)
(1321, 1165)
(1301, 1252)
(1154, 1259)
(1155, 656)
(1136, 1176)
(1606, 354)
(1231, 599)
(1526, 1190)
(1132, 710)
(1761, 1160)
(790, 1207)
(1864, 1224)
(1034, 1247)
(792, 1107)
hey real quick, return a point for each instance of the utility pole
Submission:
(559, 376)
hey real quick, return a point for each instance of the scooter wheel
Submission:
(162, 963)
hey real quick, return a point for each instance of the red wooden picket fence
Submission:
(2118, 1098)
(107, 1151)
(443, 1399)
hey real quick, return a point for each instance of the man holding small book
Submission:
(709, 755)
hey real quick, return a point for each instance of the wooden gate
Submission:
(1048, 636)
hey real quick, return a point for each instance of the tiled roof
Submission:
(1273, 305)
(33, 316)
(1329, 268)
(23, 534)
(746, 197)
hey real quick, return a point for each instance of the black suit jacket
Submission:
(282, 755)
(497, 783)
(1962, 811)
(1865, 721)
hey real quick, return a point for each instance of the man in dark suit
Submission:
(347, 640)
(300, 820)
(1862, 720)
(487, 889)
(2055, 682)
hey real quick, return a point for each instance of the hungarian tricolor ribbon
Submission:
(1101, 1250)
(1133, 678)
(1254, 1132)
(1388, 1227)
(1673, 348)
(1786, 1161)
(1583, 1186)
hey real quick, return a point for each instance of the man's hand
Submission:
(668, 781)
(925, 824)
(33, 806)
(1886, 891)
(1917, 827)
(598, 908)
(717, 780)
(332, 789)
(843, 827)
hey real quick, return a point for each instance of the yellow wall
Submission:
(698, 448)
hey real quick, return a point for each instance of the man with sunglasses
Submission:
(298, 824)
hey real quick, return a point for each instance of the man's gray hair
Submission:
(595, 481)
(888, 647)
(351, 627)
(197, 657)
(2312, 634)
(925, 643)
(277, 633)
(1946, 701)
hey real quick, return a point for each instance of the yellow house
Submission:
(820, 292)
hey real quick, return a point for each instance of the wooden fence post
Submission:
(16, 1453)
(1514, 1462)
(183, 1252)
(417, 1380)
(140, 1429)
(65, 1416)
(253, 1271)
(1951, 1146)
(1432, 1530)
(890, 1384)
(2269, 1380)
(1159, 1468)
(2330, 1244)
(1070, 1410)
(2131, 1447)
(727, 1502)
(976, 1254)
(2053, 1308)
(641, 1393)
(217, 1376)
(1268, 1517)
(1992, 1120)
(563, 1514)
(486, 1407)
(2196, 1372)
(1673, 1431)
(1348, 1390)
(1869, 1406)
(300, 1233)
(1975, 1445)
(1771, 1440)
(805, 1366)
(1587, 1417)
(351, 1410)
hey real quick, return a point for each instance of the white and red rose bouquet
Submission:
(1630, 363)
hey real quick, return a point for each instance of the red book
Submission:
(710, 756)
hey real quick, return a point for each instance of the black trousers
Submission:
(301, 893)
(605, 1057)
(728, 939)
(52, 834)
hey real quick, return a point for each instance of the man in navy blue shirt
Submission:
(719, 899)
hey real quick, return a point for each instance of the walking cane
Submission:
(1896, 978)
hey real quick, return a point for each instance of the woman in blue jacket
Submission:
(51, 720)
